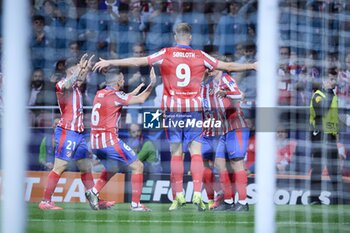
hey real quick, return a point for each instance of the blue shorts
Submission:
(114, 156)
(70, 145)
(185, 134)
(234, 144)
(209, 146)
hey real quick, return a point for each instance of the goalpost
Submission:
(14, 126)
(266, 116)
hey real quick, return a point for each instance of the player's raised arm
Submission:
(127, 62)
(234, 66)
(141, 98)
(137, 89)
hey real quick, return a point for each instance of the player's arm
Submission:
(78, 71)
(137, 89)
(127, 62)
(231, 90)
(234, 66)
(141, 98)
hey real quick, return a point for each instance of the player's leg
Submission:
(237, 148)
(175, 139)
(176, 176)
(197, 169)
(208, 152)
(316, 169)
(136, 186)
(111, 168)
(59, 167)
(123, 153)
(63, 153)
(220, 165)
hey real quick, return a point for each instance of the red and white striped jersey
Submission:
(226, 109)
(182, 69)
(105, 116)
(70, 103)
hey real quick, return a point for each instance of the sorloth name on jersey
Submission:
(182, 54)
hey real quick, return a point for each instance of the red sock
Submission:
(103, 179)
(87, 180)
(233, 183)
(208, 181)
(136, 187)
(51, 184)
(172, 183)
(197, 169)
(216, 185)
(226, 184)
(177, 172)
(241, 184)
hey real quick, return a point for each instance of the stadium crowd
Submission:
(313, 39)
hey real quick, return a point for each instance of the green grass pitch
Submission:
(80, 218)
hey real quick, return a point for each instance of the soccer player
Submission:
(182, 69)
(232, 144)
(70, 144)
(106, 144)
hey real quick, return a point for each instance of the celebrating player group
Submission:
(196, 87)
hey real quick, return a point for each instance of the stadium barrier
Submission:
(291, 189)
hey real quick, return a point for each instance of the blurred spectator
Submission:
(135, 76)
(285, 150)
(41, 45)
(74, 50)
(47, 147)
(93, 29)
(112, 7)
(231, 29)
(247, 80)
(62, 31)
(158, 27)
(124, 34)
(285, 79)
(145, 149)
(37, 94)
(193, 14)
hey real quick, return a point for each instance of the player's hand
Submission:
(89, 63)
(101, 65)
(83, 61)
(152, 75)
(221, 94)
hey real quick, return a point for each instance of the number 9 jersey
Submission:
(182, 69)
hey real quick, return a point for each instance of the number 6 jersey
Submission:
(182, 69)
(106, 111)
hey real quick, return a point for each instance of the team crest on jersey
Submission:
(69, 154)
(100, 95)
(122, 95)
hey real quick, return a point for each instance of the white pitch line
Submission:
(172, 221)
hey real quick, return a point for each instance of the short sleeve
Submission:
(209, 62)
(156, 58)
(59, 86)
(122, 99)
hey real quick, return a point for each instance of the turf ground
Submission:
(80, 218)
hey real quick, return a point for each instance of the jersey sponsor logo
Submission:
(100, 95)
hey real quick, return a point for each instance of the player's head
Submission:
(70, 65)
(330, 81)
(135, 131)
(183, 33)
(115, 79)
